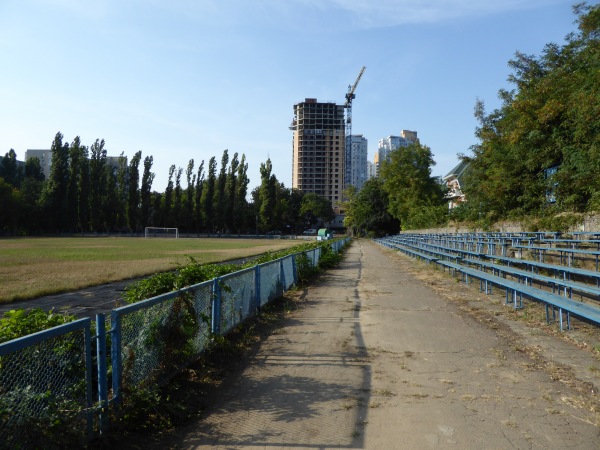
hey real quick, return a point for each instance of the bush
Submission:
(21, 322)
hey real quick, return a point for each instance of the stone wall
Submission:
(590, 222)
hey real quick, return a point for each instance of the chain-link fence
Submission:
(54, 384)
(237, 298)
(46, 387)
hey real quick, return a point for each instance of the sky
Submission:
(186, 79)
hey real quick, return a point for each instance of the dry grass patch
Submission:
(34, 267)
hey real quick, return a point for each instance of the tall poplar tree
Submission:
(122, 192)
(267, 197)
(188, 216)
(133, 193)
(241, 211)
(168, 199)
(97, 184)
(208, 195)
(231, 193)
(146, 192)
(198, 212)
(221, 194)
(177, 200)
(54, 196)
(76, 167)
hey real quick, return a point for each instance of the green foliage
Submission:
(553, 221)
(194, 273)
(315, 206)
(329, 258)
(32, 414)
(367, 210)
(549, 120)
(39, 420)
(305, 269)
(415, 197)
(267, 194)
(21, 322)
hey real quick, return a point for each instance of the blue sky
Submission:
(183, 79)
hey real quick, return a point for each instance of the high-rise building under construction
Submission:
(319, 149)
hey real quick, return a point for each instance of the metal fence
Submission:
(46, 387)
(55, 384)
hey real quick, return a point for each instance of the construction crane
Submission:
(348, 105)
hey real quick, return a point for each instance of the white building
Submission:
(387, 145)
(45, 157)
(371, 170)
(356, 165)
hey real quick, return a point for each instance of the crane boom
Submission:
(350, 95)
(348, 150)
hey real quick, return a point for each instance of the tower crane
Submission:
(348, 105)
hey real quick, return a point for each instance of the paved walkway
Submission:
(376, 359)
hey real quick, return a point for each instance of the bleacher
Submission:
(542, 267)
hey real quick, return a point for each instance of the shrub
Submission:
(21, 322)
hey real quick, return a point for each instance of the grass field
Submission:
(32, 267)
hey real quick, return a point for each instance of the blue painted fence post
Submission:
(115, 351)
(294, 269)
(102, 372)
(282, 276)
(216, 307)
(257, 288)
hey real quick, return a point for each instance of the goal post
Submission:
(158, 232)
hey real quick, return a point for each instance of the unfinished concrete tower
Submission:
(319, 149)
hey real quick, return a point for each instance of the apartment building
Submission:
(356, 164)
(318, 160)
(45, 157)
(387, 145)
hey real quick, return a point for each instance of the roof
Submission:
(457, 171)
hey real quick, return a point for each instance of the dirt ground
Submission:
(388, 353)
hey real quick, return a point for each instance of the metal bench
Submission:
(553, 302)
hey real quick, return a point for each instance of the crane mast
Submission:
(348, 105)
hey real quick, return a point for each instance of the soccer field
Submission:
(32, 267)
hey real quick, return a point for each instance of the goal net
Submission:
(158, 232)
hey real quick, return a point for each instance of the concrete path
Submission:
(376, 359)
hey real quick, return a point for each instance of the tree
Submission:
(77, 155)
(33, 169)
(122, 191)
(9, 169)
(54, 196)
(198, 212)
(133, 192)
(97, 185)
(367, 210)
(8, 205)
(188, 216)
(221, 194)
(208, 195)
(168, 200)
(146, 192)
(316, 209)
(177, 201)
(549, 121)
(30, 193)
(416, 199)
(110, 201)
(241, 212)
(267, 197)
(231, 193)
